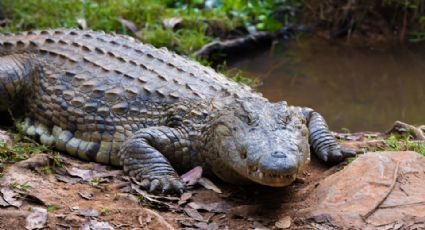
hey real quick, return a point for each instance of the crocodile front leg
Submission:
(15, 71)
(142, 157)
(322, 141)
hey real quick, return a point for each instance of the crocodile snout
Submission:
(279, 163)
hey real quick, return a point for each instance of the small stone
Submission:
(86, 195)
(36, 219)
(284, 222)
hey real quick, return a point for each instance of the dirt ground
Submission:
(64, 197)
(39, 193)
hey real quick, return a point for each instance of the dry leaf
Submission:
(192, 177)
(184, 198)
(129, 25)
(82, 23)
(36, 219)
(84, 174)
(212, 226)
(86, 195)
(3, 203)
(206, 183)
(193, 214)
(219, 207)
(88, 212)
(67, 179)
(259, 226)
(94, 224)
(244, 210)
(171, 23)
(9, 196)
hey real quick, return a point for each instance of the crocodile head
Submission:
(259, 141)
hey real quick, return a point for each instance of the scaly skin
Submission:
(110, 99)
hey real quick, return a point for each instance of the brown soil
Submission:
(81, 192)
(236, 207)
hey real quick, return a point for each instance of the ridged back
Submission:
(123, 65)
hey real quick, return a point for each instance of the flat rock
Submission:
(377, 189)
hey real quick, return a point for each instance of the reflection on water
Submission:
(355, 88)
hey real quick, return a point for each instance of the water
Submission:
(354, 88)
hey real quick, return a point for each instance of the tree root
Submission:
(401, 127)
(393, 183)
(232, 47)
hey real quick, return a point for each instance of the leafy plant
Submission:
(96, 181)
(22, 187)
(404, 143)
(57, 161)
(104, 211)
(149, 15)
(52, 208)
(47, 170)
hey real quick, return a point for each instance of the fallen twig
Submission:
(373, 210)
(400, 127)
(235, 46)
(403, 205)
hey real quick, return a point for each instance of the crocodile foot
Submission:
(335, 153)
(165, 184)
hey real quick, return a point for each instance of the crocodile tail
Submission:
(14, 75)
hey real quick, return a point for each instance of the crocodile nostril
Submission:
(279, 154)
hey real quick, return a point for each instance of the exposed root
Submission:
(393, 183)
(35, 162)
(401, 127)
(235, 46)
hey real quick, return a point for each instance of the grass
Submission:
(104, 211)
(21, 149)
(199, 19)
(404, 143)
(52, 208)
(22, 187)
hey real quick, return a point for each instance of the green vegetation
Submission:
(182, 25)
(22, 148)
(47, 170)
(141, 198)
(404, 18)
(104, 211)
(22, 187)
(52, 208)
(96, 181)
(404, 143)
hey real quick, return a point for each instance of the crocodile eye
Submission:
(243, 153)
(222, 130)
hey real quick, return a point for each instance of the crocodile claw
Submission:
(164, 185)
(336, 154)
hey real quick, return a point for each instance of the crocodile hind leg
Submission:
(322, 141)
(14, 74)
(142, 157)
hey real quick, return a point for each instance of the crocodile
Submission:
(111, 99)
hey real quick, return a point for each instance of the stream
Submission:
(354, 88)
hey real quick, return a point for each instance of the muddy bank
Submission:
(60, 192)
